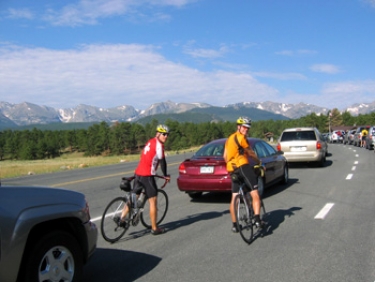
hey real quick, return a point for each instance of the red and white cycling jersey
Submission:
(152, 153)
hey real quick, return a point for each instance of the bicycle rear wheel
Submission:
(243, 218)
(109, 226)
(162, 208)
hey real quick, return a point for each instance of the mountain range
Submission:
(17, 115)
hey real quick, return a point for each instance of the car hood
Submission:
(16, 199)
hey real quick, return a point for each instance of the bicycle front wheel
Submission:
(109, 226)
(162, 208)
(243, 218)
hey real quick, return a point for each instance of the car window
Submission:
(271, 150)
(260, 150)
(298, 135)
(211, 150)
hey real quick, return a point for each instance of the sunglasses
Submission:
(165, 134)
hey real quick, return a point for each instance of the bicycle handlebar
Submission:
(166, 180)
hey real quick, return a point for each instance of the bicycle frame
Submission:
(113, 226)
(136, 210)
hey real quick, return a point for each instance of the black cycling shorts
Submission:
(146, 182)
(247, 174)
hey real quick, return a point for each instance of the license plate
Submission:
(207, 169)
(298, 149)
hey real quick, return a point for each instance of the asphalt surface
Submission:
(321, 227)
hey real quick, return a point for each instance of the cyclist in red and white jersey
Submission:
(152, 156)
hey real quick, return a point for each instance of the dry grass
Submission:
(9, 169)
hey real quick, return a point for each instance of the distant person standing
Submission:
(364, 133)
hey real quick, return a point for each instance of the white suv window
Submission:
(298, 135)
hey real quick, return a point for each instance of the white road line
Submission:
(357, 155)
(96, 218)
(349, 176)
(324, 211)
(353, 168)
(107, 215)
(356, 162)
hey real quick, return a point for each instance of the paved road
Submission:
(322, 227)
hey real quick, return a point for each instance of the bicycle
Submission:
(245, 214)
(110, 226)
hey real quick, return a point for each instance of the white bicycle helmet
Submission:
(244, 121)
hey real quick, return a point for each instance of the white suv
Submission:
(303, 144)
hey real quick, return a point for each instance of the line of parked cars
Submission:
(354, 137)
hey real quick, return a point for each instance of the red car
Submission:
(206, 171)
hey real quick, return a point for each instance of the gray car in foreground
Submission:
(45, 234)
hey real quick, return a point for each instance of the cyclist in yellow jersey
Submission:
(364, 133)
(236, 155)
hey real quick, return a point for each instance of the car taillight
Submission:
(318, 145)
(86, 212)
(182, 168)
(278, 147)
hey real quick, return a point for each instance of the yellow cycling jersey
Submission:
(234, 158)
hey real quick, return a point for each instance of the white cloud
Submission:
(301, 52)
(112, 75)
(325, 68)
(280, 76)
(341, 94)
(19, 14)
(90, 11)
(137, 75)
(206, 53)
(370, 2)
(351, 87)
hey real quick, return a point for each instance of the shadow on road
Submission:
(306, 165)
(213, 197)
(117, 265)
(190, 219)
(276, 217)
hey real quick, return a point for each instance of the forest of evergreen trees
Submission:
(126, 138)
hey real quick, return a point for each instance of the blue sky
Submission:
(109, 53)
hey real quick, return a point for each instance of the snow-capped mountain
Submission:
(27, 113)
